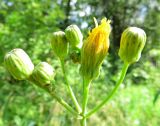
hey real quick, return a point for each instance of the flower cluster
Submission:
(18, 63)
(62, 41)
(90, 55)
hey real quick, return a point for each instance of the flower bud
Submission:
(43, 74)
(95, 49)
(59, 44)
(74, 36)
(132, 43)
(18, 63)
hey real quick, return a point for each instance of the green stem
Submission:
(106, 99)
(86, 85)
(70, 89)
(60, 100)
(64, 104)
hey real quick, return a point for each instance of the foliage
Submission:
(28, 24)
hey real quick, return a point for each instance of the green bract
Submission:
(131, 45)
(18, 63)
(43, 74)
(74, 36)
(75, 56)
(59, 44)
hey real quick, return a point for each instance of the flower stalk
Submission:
(61, 101)
(65, 104)
(86, 86)
(107, 98)
(69, 88)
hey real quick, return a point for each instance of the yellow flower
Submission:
(95, 49)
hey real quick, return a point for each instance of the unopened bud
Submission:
(132, 42)
(43, 74)
(74, 36)
(18, 63)
(95, 49)
(59, 44)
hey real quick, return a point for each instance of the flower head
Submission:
(132, 43)
(42, 74)
(74, 36)
(18, 63)
(59, 44)
(95, 49)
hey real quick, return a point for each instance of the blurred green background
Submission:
(27, 24)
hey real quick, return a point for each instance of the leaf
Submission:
(156, 96)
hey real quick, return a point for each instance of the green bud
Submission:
(18, 63)
(42, 74)
(74, 36)
(132, 42)
(59, 44)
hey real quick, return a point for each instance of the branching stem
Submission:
(70, 89)
(106, 99)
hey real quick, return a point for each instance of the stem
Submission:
(64, 104)
(60, 100)
(70, 89)
(106, 99)
(84, 122)
(86, 85)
